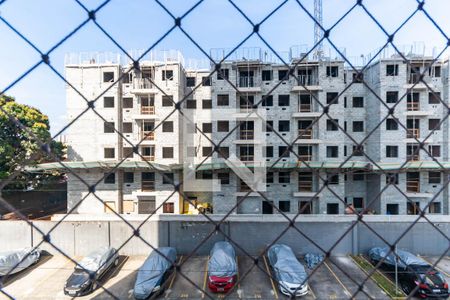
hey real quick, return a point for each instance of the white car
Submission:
(288, 271)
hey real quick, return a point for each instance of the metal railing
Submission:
(142, 84)
(412, 133)
(247, 81)
(307, 80)
(147, 110)
(305, 134)
(412, 106)
(413, 186)
(305, 107)
(148, 135)
(148, 185)
(246, 134)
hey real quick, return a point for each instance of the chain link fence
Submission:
(179, 107)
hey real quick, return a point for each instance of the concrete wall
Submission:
(79, 235)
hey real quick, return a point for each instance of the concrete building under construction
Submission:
(377, 141)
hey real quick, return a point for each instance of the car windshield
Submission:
(77, 278)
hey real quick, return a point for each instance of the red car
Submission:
(222, 268)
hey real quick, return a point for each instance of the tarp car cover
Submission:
(222, 261)
(97, 259)
(312, 259)
(286, 266)
(153, 269)
(404, 258)
(9, 259)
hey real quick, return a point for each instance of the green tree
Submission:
(20, 148)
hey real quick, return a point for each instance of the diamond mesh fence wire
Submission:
(314, 115)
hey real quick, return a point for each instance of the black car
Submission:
(80, 283)
(412, 272)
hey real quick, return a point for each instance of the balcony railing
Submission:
(305, 134)
(148, 185)
(148, 135)
(142, 83)
(147, 110)
(412, 133)
(413, 157)
(148, 157)
(246, 134)
(413, 186)
(247, 157)
(246, 81)
(305, 157)
(414, 78)
(305, 107)
(307, 80)
(246, 107)
(305, 186)
(412, 106)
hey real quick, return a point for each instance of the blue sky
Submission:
(137, 24)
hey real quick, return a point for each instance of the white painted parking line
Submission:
(346, 291)
(205, 278)
(271, 281)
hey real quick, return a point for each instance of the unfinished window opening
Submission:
(190, 81)
(127, 102)
(267, 100)
(223, 100)
(392, 70)
(266, 75)
(167, 75)
(108, 102)
(392, 97)
(305, 182)
(109, 178)
(109, 153)
(332, 71)
(223, 126)
(108, 76)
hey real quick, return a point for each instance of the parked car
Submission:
(222, 267)
(97, 263)
(289, 273)
(412, 272)
(18, 260)
(153, 274)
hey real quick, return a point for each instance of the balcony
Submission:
(142, 84)
(148, 157)
(148, 135)
(247, 158)
(413, 157)
(413, 186)
(248, 84)
(147, 110)
(307, 80)
(304, 157)
(412, 106)
(305, 186)
(245, 134)
(305, 134)
(305, 107)
(412, 133)
(414, 78)
(246, 81)
(148, 186)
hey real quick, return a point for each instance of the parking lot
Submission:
(46, 279)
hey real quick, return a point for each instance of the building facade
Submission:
(329, 137)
